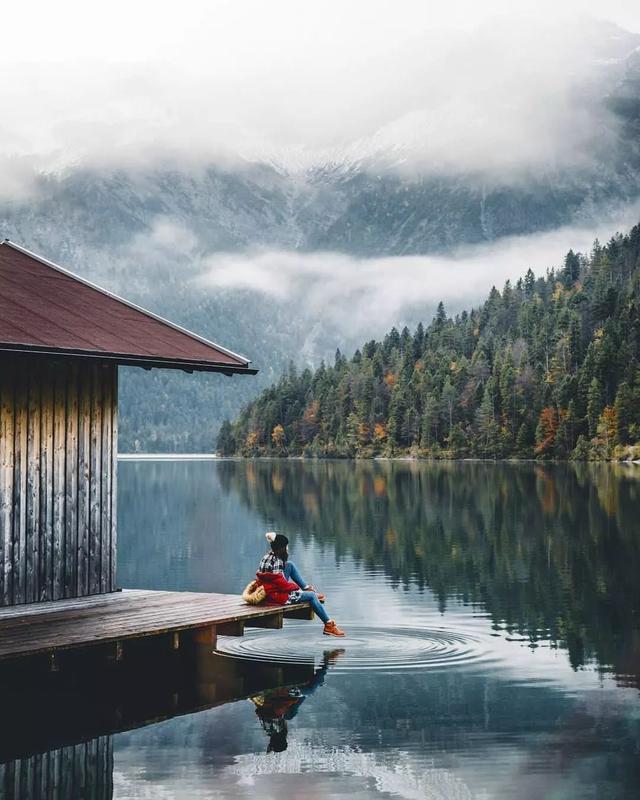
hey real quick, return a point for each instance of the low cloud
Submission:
(422, 87)
(363, 298)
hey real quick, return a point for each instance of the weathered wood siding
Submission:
(80, 771)
(58, 450)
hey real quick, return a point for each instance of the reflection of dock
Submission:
(113, 620)
(91, 697)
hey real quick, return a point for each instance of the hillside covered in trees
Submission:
(546, 368)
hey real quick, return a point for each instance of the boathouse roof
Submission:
(46, 309)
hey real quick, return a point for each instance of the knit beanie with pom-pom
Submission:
(276, 540)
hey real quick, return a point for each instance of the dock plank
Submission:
(40, 628)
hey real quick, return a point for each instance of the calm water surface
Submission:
(493, 624)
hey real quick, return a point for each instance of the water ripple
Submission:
(367, 648)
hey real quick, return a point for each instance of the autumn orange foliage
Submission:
(608, 425)
(379, 432)
(277, 435)
(364, 432)
(549, 426)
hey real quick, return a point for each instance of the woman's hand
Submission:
(311, 588)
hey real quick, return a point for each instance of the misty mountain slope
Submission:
(166, 410)
(225, 209)
(393, 216)
(391, 211)
(357, 212)
(368, 200)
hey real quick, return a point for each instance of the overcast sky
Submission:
(456, 85)
(249, 34)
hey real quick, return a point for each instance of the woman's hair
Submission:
(278, 741)
(277, 540)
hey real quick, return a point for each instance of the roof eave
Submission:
(124, 359)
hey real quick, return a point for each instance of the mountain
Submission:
(548, 368)
(372, 197)
(149, 232)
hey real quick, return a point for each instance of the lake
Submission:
(493, 629)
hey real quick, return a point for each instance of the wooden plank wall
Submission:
(58, 451)
(80, 771)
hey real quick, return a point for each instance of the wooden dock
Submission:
(114, 620)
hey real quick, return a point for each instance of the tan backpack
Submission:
(254, 593)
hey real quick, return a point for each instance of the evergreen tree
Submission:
(625, 412)
(594, 406)
(487, 426)
(529, 284)
(524, 441)
(429, 428)
(226, 443)
(582, 451)
(448, 401)
(571, 270)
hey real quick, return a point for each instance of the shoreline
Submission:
(416, 459)
(167, 457)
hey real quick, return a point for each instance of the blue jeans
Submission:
(291, 573)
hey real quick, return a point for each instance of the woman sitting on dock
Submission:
(284, 585)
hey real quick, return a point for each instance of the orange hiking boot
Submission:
(331, 629)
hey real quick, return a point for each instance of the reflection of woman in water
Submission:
(284, 584)
(275, 708)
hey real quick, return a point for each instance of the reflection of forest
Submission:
(550, 551)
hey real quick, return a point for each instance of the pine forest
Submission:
(547, 368)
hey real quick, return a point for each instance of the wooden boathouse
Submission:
(62, 340)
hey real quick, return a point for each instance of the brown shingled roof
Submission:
(47, 309)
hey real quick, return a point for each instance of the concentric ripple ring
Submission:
(370, 648)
